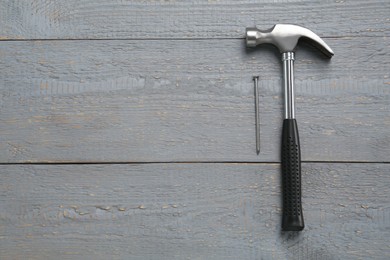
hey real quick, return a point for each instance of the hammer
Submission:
(285, 37)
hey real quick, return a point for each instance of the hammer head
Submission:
(285, 37)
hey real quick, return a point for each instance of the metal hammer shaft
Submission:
(288, 81)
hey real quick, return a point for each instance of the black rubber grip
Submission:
(292, 219)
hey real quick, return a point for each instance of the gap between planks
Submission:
(189, 162)
(164, 38)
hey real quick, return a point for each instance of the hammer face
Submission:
(251, 37)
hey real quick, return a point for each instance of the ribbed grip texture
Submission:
(291, 177)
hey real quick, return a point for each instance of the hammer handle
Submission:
(292, 219)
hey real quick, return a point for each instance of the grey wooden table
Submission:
(127, 131)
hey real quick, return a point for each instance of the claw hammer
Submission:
(285, 37)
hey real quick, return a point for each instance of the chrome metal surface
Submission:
(288, 83)
(257, 114)
(285, 37)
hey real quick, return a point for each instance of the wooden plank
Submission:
(100, 19)
(202, 211)
(145, 101)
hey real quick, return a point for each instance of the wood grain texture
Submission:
(191, 211)
(143, 101)
(170, 81)
(140, 19)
